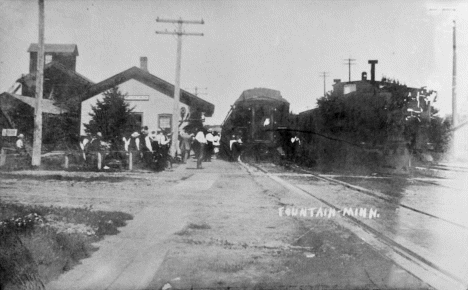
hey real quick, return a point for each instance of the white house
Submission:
(151, 97)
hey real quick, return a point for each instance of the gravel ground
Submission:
(225, 228)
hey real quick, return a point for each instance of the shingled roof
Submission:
(153, 82)
(47, 105)
(55, 48)
(55, 64)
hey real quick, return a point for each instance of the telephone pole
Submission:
(349, 62)
(176, 112)
(454, 77)
(37, 142)
(324, 75)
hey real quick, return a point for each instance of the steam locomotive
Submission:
(257, 118)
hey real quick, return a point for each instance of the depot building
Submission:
(151, 98)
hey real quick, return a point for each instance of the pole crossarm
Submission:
(180, 33)
(196, 89)
(180, 21)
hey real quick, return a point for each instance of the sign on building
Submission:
(136, 98)
(9, 132)
(165, 121)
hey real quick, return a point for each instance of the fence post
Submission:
(66, 161)
(99, 160)
(2, 157)
(130, 160)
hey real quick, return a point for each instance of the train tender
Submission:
(255, 119)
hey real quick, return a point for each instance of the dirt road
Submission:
(216, 227)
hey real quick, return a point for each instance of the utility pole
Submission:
(37, 142)
(454, 90)
(454, 77)
(324, 75)
(176, 111)
(349, 62)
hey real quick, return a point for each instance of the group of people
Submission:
(205, 144)
(146, 148)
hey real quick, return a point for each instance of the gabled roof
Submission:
(55, 48)
(153, 82)
(47, 105)
(57, 65)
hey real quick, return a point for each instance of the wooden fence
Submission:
(99, 156)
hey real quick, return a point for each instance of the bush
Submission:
(33, 251)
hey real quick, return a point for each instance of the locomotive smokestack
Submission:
(372, 71)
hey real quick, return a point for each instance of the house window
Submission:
(165, 121)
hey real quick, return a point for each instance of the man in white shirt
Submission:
(20, 146)
(216, 143)
(185, 144)
(145, 147)
(200, 138)
(209, 145)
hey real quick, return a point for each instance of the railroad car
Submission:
(256, 118)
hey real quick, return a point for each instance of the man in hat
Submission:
(132, 146)
(20, 148)
(145, 146)
(201, 143)
(185, 144)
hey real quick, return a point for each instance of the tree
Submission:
(112, 117)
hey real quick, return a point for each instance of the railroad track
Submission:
(410, 256)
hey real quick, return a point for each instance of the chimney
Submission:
(364, 76)
(372, 71)
(144, 63)
(337, 81)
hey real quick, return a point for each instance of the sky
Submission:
(281, 45)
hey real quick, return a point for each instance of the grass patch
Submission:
(201, 226)
(59, 177)
(192, 226)
(38, 243)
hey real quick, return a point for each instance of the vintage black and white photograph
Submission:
(233, 144)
